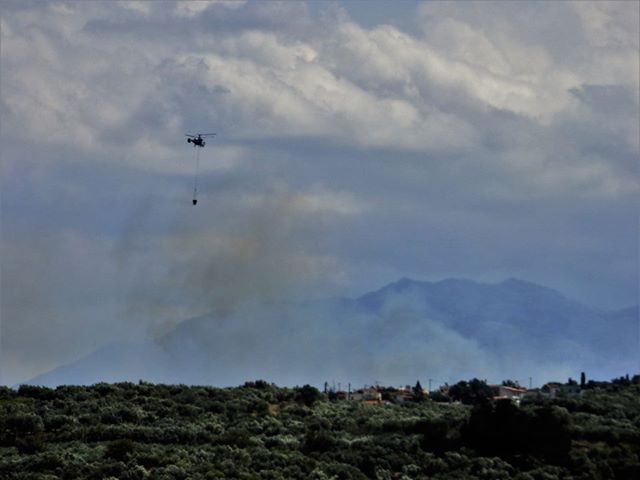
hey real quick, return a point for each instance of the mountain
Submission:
(486, 312)
(448, 330)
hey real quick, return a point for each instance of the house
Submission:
(504, 392)
(552, 389)
(367, 395)
(403, 395)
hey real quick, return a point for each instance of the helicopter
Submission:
(197, 139)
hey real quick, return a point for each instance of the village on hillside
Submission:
(472, 391)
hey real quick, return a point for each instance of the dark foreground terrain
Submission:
(136, 431)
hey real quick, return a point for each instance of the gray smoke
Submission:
(246, 282)
(214, 260)
(218, 295)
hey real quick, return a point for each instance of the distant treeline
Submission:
(261, 431)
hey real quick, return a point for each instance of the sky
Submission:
(357, 143)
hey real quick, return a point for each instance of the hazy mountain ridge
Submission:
(470, 307)
(449, 329)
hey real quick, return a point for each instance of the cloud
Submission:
(491, 140)
(608, 24)
(366, 88)
(424, 68)
(264, 81)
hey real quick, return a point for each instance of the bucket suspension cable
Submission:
(195, 178)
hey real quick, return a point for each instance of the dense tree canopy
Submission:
(138, 431)
(472, 392)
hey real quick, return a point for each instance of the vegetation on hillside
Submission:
(138, 431)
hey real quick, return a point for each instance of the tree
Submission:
(473, 392)
(24, 431)
(506, 430)
(307, 395)
(418, 392)
(510, 383)
(120, 449)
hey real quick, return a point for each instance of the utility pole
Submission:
(430, 380)
(530, 383)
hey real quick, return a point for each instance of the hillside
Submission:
(259, 431)
(408, 329)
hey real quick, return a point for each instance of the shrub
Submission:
(307, 395)
(120, 449)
